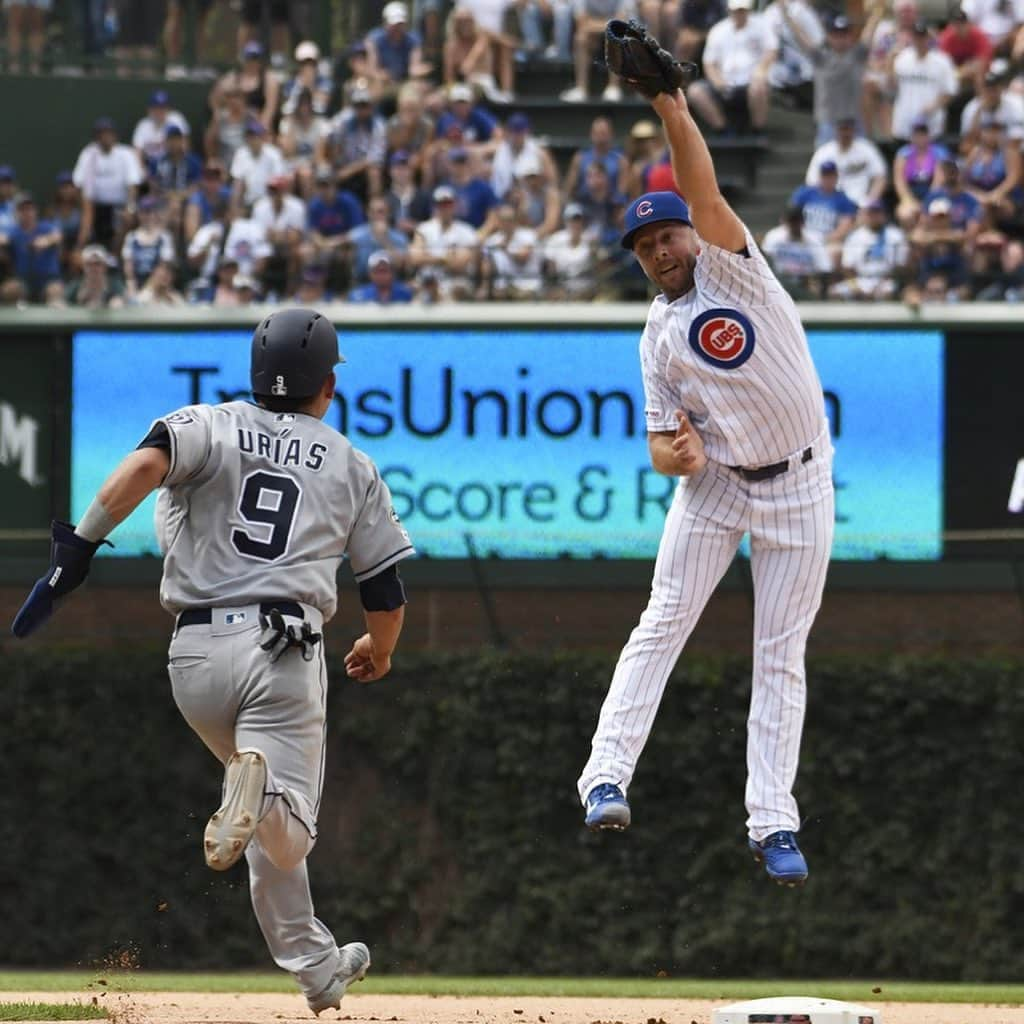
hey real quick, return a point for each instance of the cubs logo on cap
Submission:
(722, 337)
(652, 208)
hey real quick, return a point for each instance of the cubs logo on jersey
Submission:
(722, 337)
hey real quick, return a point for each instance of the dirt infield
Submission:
(205, 1008)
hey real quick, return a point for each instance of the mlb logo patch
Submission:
(234, 618)
(723, 337)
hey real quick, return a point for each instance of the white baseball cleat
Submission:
(232, 825)
(353, 965)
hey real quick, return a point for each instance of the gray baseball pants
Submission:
(234, 697)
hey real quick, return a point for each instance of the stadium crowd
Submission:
(404, 173)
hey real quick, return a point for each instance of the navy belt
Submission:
(204, 616)
(772, 471)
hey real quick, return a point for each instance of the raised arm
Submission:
(694, 173)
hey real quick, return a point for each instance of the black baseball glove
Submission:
(641, 62)
(70, 558)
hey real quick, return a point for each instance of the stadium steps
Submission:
(757, 173)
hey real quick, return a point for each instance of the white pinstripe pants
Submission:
(790, 520)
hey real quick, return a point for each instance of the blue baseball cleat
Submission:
(607, 808)
(781, 857)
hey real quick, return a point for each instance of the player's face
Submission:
(667, 253)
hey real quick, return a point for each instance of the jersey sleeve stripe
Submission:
(384, 563)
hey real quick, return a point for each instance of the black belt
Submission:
(772, 471)
(204, 616)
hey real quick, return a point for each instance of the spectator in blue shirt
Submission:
(383, 288)
(35, 251)
(66, 214)
(474, 197)
(829, 213)
(173, 176)
(377, 234)
(965, 209)
(332, 213)
(394, 51)
(602, 149)
(209, 201)
(464, 120)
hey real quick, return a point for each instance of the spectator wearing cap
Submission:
(150, 135)
(159, 288)
(430, 288)
(538, 203)
(248, 246)
(516, 149)
(914, 171)
(254, 165)
(209, 201)
(108, 174)
(175, 175)
(925, 82)
(602, 205)
(739, 54)
(355, 72)
(251, 27)
(644, 148)
(355, 145)
(446, 245)
(591, 18)
(992, 170)
(382, 287)
(65, 212)
(799, 258)
(8, 190)
(996, 100)
(146, 246)
(1000, 20)
(332, 213)
(299, 139)
(474, 197)
(225, 134)
(463, 121)
(875, 258)
(409, 204)
(283, 218)
(828, 212)
(26, 18)
(793, 73)
(570, 255)
(246, 289)
(839, 68)
(965, 211)
(34, 251)
(602, 149)
(696, 19)
(97, 287)
(376, 235)
(395, 51)
(313, 76)
(312, 290)
(889, 36)
(409, 128)
(863, 174)
(511, 260)
(260, 88)
(970, 50)
(938, 250)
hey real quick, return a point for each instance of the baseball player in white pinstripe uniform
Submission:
(735, 409)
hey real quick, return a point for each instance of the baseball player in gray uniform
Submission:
(735, 409)
(258, 505)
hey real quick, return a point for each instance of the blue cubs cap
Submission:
(652, 208)
(160, 99)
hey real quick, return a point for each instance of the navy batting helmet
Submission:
(293, 350)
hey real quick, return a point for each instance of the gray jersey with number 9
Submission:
(260, 505)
